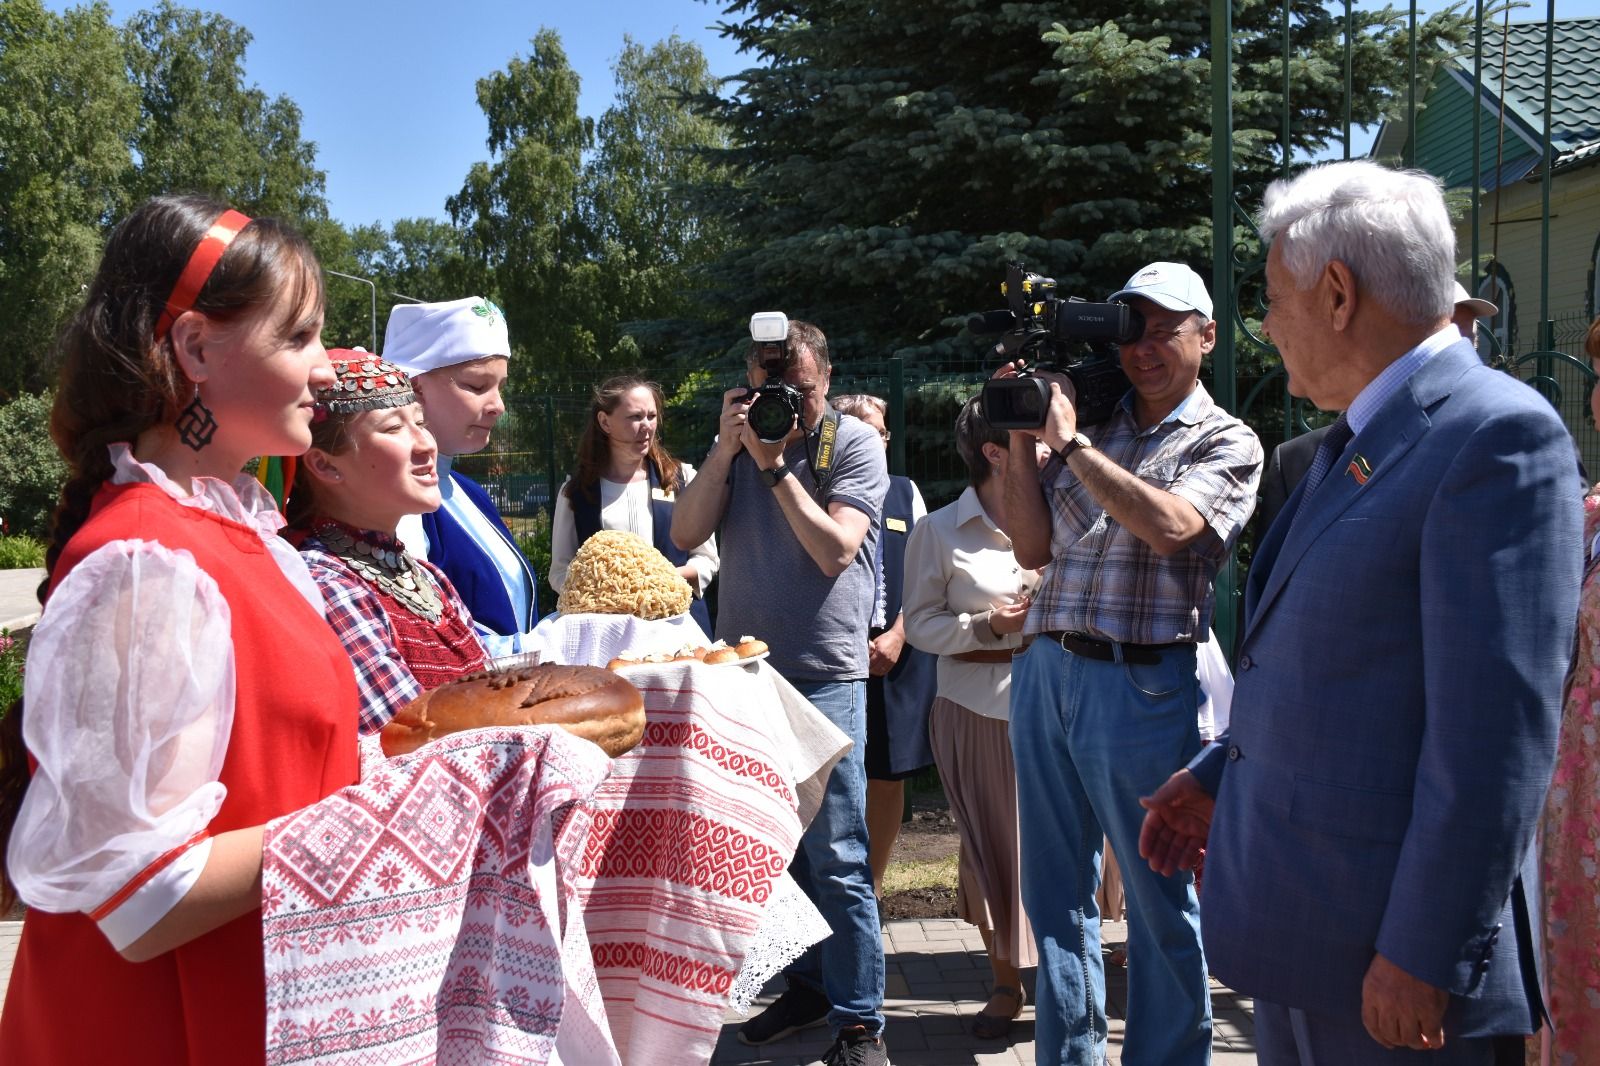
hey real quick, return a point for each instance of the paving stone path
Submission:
(937, 980)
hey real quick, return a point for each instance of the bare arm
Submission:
(228, 888)
(830, 537)
(1027, 513)
(1166, 522)
(697, 512)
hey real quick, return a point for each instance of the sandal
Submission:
(986, 1026)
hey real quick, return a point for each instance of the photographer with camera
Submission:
(1131, 518)
(795, 493)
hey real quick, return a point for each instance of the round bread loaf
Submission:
(586, 701)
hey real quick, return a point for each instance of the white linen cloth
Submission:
(130, 695)
(684, 875)
(429, 913)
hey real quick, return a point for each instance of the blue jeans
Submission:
(1089, 739)
(831, 867)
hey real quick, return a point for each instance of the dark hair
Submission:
(332, 435)
(803, 337)
(973, 431)
(119, 380)
(594, 448)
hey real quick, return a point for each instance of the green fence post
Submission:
(550, 450)
(897, 415)
(1222, 293)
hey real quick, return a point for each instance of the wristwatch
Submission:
(771, 477)
(1074, 442)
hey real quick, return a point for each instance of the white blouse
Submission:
(623, 506)
(959, 567)
(130, 698)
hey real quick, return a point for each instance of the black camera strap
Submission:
(822, 461)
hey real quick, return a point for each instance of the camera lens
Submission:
(770, 417)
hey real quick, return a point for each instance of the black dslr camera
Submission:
(777, 406)
(1071, 337)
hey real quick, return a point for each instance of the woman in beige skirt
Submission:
(965, 601)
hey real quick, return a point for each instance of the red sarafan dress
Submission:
(73, 999)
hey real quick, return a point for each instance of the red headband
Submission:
(201, 263)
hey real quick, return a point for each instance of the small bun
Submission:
(749, 647)
(722, 655)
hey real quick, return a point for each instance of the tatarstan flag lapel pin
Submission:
(1359, 469)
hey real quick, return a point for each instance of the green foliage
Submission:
(21, 553)
(67, 115)
(533, 540)
(893, 156)
(518, 213)
(202, 129)
(13, 650)
(31, 470)
(581, 230)
(94, 119)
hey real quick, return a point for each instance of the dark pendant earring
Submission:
(196, 424)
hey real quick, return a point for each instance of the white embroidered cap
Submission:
(424, 337)
(1172, 285)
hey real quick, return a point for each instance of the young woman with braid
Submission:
(182, 687)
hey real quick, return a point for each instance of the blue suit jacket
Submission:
(1397, 701)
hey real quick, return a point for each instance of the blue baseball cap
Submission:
(1172, 285)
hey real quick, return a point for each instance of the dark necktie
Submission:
(1328, 452)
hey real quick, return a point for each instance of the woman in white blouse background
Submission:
(965, 601)
(627, 480)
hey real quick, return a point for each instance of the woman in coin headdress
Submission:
(372, 462)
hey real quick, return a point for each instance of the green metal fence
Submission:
(1245, 375)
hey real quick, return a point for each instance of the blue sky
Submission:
(387, 91)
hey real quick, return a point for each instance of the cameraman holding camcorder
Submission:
(794, 491)
(1131, 518)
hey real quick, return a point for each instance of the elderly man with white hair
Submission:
(1408, 616)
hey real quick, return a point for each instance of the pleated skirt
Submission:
(973, 754)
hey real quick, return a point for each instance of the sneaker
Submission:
(856, 1047)
(798, 1008)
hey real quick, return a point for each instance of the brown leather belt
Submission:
(1107, 651)
(994, 655)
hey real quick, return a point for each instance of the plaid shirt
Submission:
(358, 619)
(1109, 584)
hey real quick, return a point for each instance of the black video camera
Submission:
(1044, 332)
(777, 406)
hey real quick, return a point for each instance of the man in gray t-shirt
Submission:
(797, 572)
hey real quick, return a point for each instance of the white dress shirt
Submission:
(959, 567)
